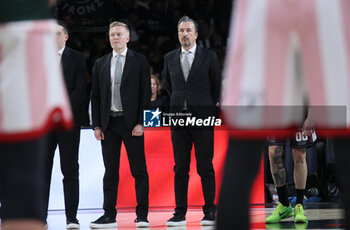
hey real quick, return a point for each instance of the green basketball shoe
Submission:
(281, 212)
(299, 216)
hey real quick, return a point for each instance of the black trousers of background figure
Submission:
(342, 160)
(22, 188)
(117, 132)
(68, 145)
(203, 140)
(241, 167)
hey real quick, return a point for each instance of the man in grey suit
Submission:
(192, 76)
(120, 92)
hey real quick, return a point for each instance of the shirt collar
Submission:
(61, 50)
(192, 50)
(122, 53)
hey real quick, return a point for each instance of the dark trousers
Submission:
(203, 140)
(68, 145)
(117, 132)
(342, 159)
(22, 180)
(241, 167)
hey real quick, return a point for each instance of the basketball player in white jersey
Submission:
(277, 49)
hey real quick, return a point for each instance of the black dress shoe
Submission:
(72, 223)
(141, 222)
(177, 220)
(208, 219)
(104, 222)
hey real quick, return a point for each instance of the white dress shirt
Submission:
(59, 54)
(191, 54)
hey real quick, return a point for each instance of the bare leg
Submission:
(300, 168)
(277, 167)
(278, 172)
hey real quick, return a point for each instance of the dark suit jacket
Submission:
(202, 88)
(135, 89)
(74, 71)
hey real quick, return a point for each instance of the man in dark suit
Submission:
(120, 92)
(74, 70)
(193, 78)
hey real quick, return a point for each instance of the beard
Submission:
(186, 43)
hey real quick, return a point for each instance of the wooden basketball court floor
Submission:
(320, 215)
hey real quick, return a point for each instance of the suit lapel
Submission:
(176, 62)
(65, 60)
(106, 68)
(197, 62)
(129, 63)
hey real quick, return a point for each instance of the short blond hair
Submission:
(117, 23)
